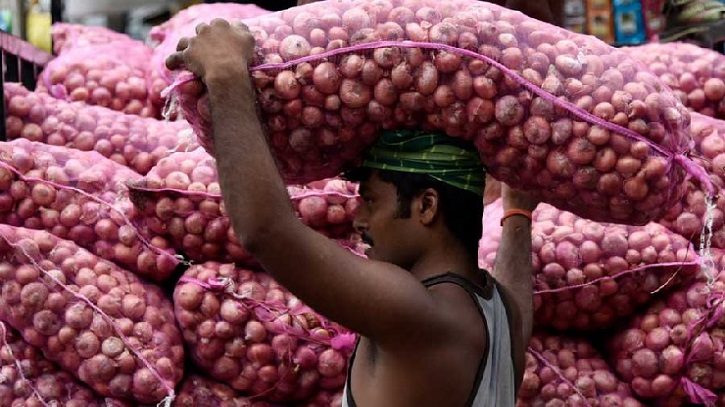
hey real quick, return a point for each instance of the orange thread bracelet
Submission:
(513, 212)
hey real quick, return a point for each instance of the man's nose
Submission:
(359, 224)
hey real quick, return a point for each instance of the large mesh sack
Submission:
(324, 398)
(563, 371)
(589, 275)
(197, 391)
(28, 379)
(98, 322)
(578, 123)
(180, 199)
(130, 140)
(69, 36)
(112, 75)
(246, 330)
(696, 217)
(673, 352)
(183, 24)
(79, 196)
(695, 74)
(198, 13)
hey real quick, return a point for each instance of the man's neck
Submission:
(444, 258)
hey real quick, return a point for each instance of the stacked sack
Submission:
(124, 283)
(695, 74)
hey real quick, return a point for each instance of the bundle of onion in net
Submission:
(698, 217)
(589, 275)
(130, 140)
(568, 371)
(28, 379)
(694, 73)
(246, 330)
(69, 36)
(79, 196)
(112, 75)
(98, 322)
(580, 124)
(197, 391)
(180, 198)
(673, 352)
(183, 24)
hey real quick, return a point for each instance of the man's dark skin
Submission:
(419, 347)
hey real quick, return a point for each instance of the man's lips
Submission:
(367, 239)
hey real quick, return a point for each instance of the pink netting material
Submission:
(100, 323)
(129, 140)
(589, 275)
(695, 74)
(672, 353)
(245, 329)
(79, 196)
(180, 199)
(569, 372)
(575, 121)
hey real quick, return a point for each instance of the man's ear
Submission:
(428, 206)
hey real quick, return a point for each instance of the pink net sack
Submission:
(580, 124)
(246, 330)
(324, 399)
(98, 322)
(180, 199)
(28, 379)
(563, 371)
(197, 391)
(69, 36)
(695, 74)
(589, 275)
(198, 13)
(111, 75)
(79, 196)
(695, 217)
(130, 140)
(168, 34)
(672, 353)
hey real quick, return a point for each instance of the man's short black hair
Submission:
(462, 210)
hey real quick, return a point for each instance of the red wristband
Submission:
(514, 212)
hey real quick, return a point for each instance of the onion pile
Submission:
(588, 275)
(28, 379)
(79, 196)
(183, 24)
(564, 371)
(244, 329)
(197, 391)
(688, 217)
(187, 19)
(326, 399)
(180, 199)
(565, 116)
(70, 36)
(673, 353)
(96, 321)
(129, 140)
(111, 75)
(695, 74)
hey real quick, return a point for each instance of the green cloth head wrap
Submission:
(443, 158)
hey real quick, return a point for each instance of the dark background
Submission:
(271, 5)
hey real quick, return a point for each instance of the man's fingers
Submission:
(202, 28)
(175, 61)
(240, 26)
(183, 44)
(220, 22)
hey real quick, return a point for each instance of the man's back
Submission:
(476, 368)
